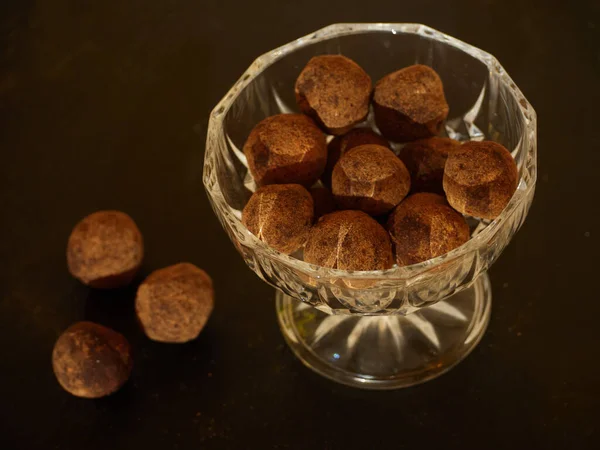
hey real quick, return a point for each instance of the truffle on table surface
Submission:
(410, 104)
(480, 178)
(286, 148)
(280, 215)
(341, 144)
(370, 178)
(91, 361)
(349, 240)
(173, 304)
(423, 227)
(105, 250)
(335, 92)
(425, 160)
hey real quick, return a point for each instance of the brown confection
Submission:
(335, 92)
(280, 215)
(349, 240)
(91, 361)
(322, 200)
(423, 227)
(341, 144)
(286, 148)
(173, 304)
(425, 160)
(105, 250)
(370, 178)
(480, 178)
(410, 104)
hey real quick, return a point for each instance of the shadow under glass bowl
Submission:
(402, 326)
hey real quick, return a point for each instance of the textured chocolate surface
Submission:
(341, 144)
(425, 160)
(91, 361)
(370, 178)
(105, 250)
(410, 104)
(173, 304)
(335, 92)
(423, 227)
(480, 178)
(280, 215)
(349, 240)
(286, 148)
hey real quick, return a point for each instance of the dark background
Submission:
(104, 104)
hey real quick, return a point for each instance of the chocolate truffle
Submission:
(425, 160)
(91, 361)
(480, 178)
(423, 227)
(341, 144)
(286, 148)
(280, 215)
(105, 250)
(370, 178)
(322, 200)
(173, 304)
(410, 104)
(335, 92)
(349, 240)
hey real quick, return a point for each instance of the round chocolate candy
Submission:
(91, 361)
(341, 144)
(173, 304)
(423, 227)
(105, 250)
(480, 178)
(370, 178)
(335, 92)
(286, 148)
(349, 240)
(280, 215)
(425, 160)
(410, 104)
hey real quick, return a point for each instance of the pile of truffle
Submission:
(331, 199)
(173, 304)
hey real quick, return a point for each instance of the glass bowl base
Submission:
(387, 352)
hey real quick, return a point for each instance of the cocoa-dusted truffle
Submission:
(280, 215)
(335, 92)
(322, 200)
(173, 304)
(480, 178)
(423, 227)
(349, 240)
(410, 104)
(370, 178)
(425, 160)
(105, 250)
(341, 144)
(91, 361)
(286, 148)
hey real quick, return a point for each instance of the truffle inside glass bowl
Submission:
(402, 326)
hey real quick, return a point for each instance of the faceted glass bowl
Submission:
(436, 311)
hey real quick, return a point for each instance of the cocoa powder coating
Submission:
(286, 148)
(480, 178)
(335, 92)
(173, 304)
(105, 250)
(280, 215)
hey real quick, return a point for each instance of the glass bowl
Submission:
(398, 327)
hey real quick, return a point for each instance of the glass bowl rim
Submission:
(216, 127)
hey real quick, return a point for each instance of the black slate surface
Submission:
(104, 104)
